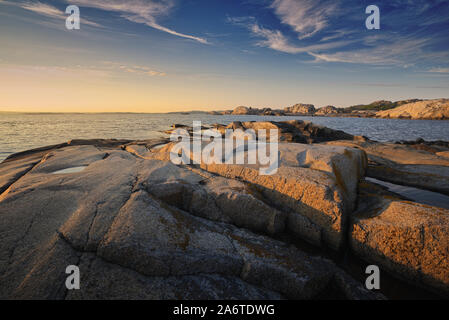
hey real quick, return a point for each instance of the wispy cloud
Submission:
(337, 34)
(394, 50)
(52, 71)
(139, 11)
(274, 40)
(42, 8)
(439, 70)
(396, 85)
(306, 17)
(386, 85)
(104, 69)
(277, 41)
(316, 27)
(142, 70)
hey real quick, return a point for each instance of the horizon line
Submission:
(202, 111)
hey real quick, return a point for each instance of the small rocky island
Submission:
(140, 227)
(416, 109)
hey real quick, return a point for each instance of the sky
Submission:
(179, 55)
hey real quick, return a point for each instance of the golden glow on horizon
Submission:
(25, 88)
(37, 89)
(77, 89)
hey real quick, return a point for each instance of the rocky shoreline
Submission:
(140, 227)
(412, 109)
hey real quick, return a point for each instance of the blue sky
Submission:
(167, 55)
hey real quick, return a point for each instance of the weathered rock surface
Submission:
(211, 197)
(302, 131)
(12, 171)
(140, 227)
(105, 143)
(380, 105)
(428, 109)
(404, 164)
(444, 154)
(301, 108)
(243, 111)
(103, 280)
(406, 109)
(327, 111)
(289, 131)
(407, 239)
(129, 223)
(316, 186)
(317, 202)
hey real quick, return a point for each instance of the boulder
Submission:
(315, 185)
(407, 239)
(290, 131)
(326, 111)
(404, 164)
(316, 189)
(212, 197)
(243, 111)
(238, 204)
(301, 108)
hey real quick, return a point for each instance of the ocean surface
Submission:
(22, 131)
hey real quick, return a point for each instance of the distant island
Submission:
(437, 109)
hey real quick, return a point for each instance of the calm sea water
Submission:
(20, 132)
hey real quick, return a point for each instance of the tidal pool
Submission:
(70, 170)
(417, 195)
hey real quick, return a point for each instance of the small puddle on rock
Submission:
(417, 195)
(70, 170)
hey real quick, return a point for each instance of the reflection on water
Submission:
(416, 195)
(20, 132)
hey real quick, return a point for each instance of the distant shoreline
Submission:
(411, 109)
(116, 112)
(211, 114)
(373, 106)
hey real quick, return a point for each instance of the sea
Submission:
(23, 131)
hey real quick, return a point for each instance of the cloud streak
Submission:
(142, 70)
(277, 41)
(392, 50)
(140, 11)
(306, 17)
(439, 70)
(104, 69)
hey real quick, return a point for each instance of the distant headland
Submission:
(437, 109)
